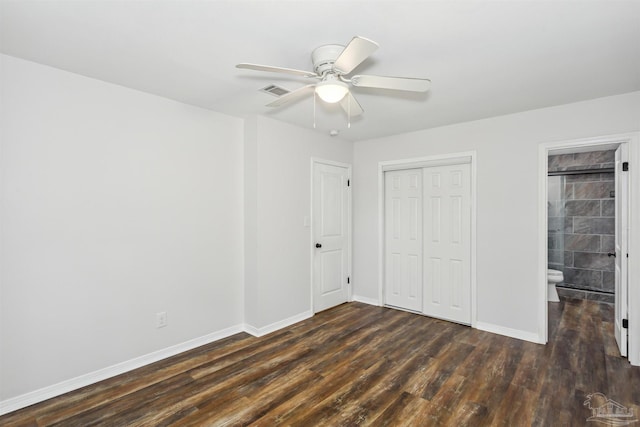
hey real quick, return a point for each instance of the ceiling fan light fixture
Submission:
(332, 91)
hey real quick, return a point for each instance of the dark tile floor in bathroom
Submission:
(568, 292)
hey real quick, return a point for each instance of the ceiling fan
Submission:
(331, 65)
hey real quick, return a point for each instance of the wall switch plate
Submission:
(161, 319)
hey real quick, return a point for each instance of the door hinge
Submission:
(348, 279)
(625, 323)
(625, 166)
(348, 183)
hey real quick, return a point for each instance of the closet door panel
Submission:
(403, 283)
(447, 249)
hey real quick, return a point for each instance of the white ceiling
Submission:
(485, 58)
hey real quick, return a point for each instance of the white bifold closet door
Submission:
(427, 241)
(403, 239)
(447, 246)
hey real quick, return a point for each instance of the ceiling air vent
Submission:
(275, 90)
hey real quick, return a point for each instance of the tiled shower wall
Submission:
(587, 208)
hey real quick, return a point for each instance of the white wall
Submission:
(507, 196)
(278, 281)
(115, 205)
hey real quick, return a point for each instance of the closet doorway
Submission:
(428, 237)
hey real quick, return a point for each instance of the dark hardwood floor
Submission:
(362, 365)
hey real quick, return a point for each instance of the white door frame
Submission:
(314, 161)
(591, 144)
(423, 162)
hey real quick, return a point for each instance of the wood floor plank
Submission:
(378, 398)
(264, 395)
(401, 411)
(532, 367)
(335, 402)
(447, 360)
(444, 404)
(516, 408)
(362, 365)
(310, 397)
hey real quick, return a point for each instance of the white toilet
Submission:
(553, 277)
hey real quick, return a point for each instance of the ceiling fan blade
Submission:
(393, 83)
(351, 106)
(353, 54)
(258, 67)
(292, 96)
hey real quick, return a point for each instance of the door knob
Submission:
(611, 254)
(318, 245)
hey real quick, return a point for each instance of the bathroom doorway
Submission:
(587, 191)
(581, 223)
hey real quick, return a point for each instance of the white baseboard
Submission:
(258, 332)
(66, 386)
(365, 300)
(508, 332)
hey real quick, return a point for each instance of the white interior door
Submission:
(622, 225)
(403, 239)
(447, 246)
(331, 235)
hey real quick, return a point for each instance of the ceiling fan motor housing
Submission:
(323, 57)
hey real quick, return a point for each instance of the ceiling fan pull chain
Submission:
(314, 109)
(349, 111)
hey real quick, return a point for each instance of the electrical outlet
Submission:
(161, 319)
